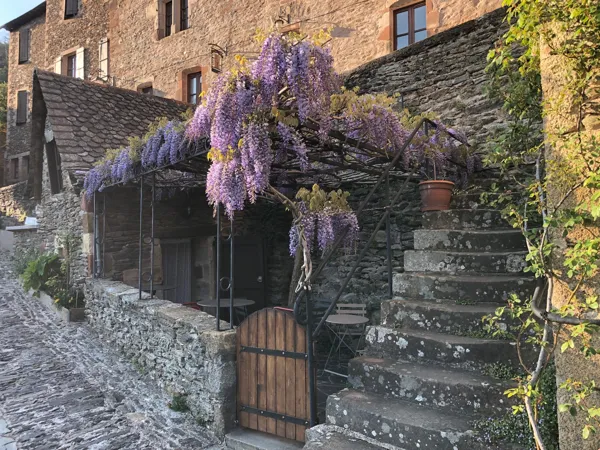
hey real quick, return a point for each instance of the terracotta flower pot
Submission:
(436, 195)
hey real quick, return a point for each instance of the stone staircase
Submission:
(420, 383)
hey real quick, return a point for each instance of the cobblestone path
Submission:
(60, 388)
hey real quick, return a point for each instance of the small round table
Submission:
(225, 303)
(347, 322)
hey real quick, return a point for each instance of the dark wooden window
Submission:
(184, 23)
(410, 25)
(24, 42)
(194, 87)
(72, 65)
(22, 98)
(54, 167)
(168, 18)
(14, 168)
(71, 8)
(25, 166)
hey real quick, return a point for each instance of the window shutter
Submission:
(22, 107)
(103, 58)
(58, 65)
(80, 63)
(71, 8)
(24, 45)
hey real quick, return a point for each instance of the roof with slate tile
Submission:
(89, 118)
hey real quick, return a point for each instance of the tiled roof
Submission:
(89, 118)
(25, 18)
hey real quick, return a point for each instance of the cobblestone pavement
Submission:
(60, 388)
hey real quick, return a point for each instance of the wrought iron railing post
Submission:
(95, 249)
(218, 270)
(388, 237)
(141, 243)
(103, 265)
(231, 254)
(152, 200)
(311, 362)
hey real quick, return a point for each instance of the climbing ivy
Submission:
(558, 195)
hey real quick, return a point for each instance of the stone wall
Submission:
(369, 285)
(361, 31)
(20, 78)
(178, 346)
(14, 202)
(444, 75)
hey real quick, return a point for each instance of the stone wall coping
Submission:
(11, 187)
(172, 314)
(20, 228)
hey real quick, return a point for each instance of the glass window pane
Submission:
(401, 23)
(420, 18)
(420, 35)
(401, 41)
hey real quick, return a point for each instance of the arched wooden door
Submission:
(273, 383)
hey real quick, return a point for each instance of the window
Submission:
(148, 90)
(22, 107)
(168, 18)
(24, 43)
(216, 61)
(410, 25)
(104, 51)
(71, 8)
(72, 65)
(184, 22)
(14, 168)
(194, 87)
(25, 167)
(54, 169)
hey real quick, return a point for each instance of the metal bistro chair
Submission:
(346, 326)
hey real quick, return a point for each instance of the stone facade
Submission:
(361, 31)
(13, 202)
(444, 75)
(20, 78)
(177, 346)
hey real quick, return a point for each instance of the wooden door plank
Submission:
(243, 373)
(262, 368)
(253, 371)
(290, 375)
(301, 375)
(280, 374)
(271, 379)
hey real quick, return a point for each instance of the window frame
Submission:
(71, 9)
(412, 31)
(184, 15)
(71, 71)
(27, 49)
(197, 77)
(104, 44)
(168, 18)
(14, 168)
(22, 107)
(54, 167)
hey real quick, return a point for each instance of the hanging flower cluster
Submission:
(163, 144)
(324, 217)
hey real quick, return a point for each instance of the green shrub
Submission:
(25, 257)
(39, 271)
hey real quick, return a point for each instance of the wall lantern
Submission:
(217, 54)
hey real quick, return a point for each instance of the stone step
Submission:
(331, 437)
(464, 262)
(457, 351)
(438, 317)
(464, 219)
(471, 288)
(456, 390)
(246, 439)
(400, 423)
(470, 240)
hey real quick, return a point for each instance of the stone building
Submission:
(176, 48)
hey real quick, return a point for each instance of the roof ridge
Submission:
(38, 71)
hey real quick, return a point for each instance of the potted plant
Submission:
(447, 162)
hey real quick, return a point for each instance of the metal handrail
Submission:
(337, 243)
